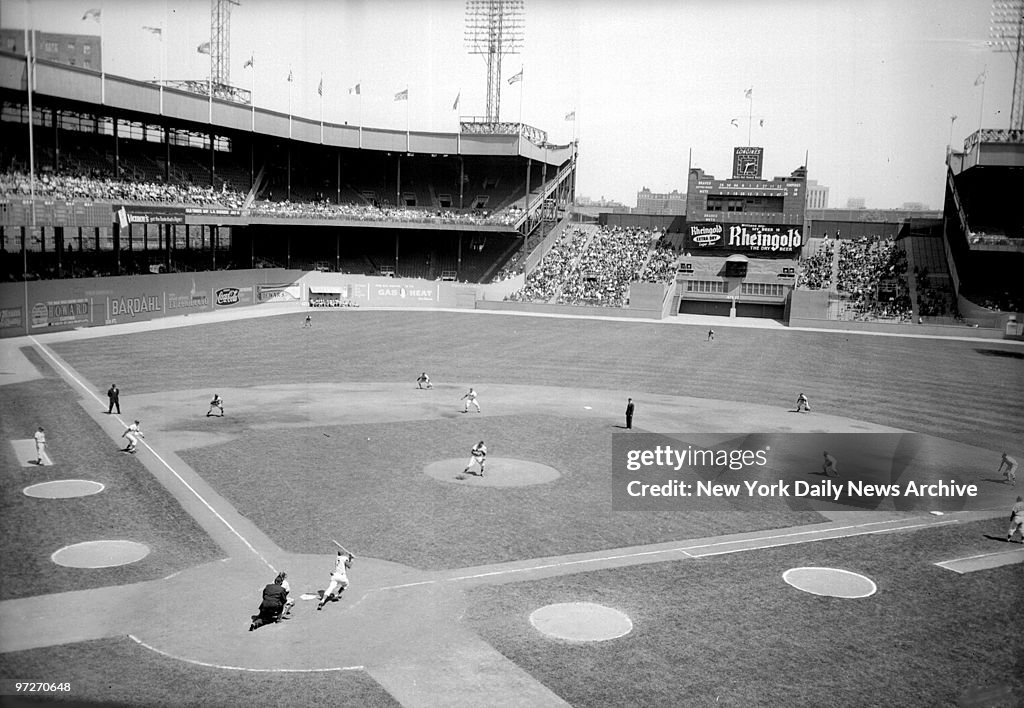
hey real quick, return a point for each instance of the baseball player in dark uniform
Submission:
(629, 413)
(113, 395)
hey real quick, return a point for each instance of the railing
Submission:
(993, 135)
(479, 125)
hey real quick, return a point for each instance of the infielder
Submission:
(830, 468)
(40, 438)
(217, 403)
(802, 404)
(1010, 475)
(134, 434)
(339, 578)
(478, 456)
(424, 381)
(470, 397)
(308, 322)
(1016, 520)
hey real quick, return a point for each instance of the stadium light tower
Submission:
(1006, 34)
(220, 46)
(494, 28)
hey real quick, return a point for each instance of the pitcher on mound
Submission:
(339, 578)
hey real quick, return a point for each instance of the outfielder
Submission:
(1010, 475)
(470, 397)
(423, 381)
(1016, 520)
(217, 403)
(339, 578)
(134, 435)
(478, 456)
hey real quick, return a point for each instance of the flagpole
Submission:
(103, 71)
(360, 94)
(407, 144)
(290, 82)
(981, 108)
(252, 92)
(163, 58)
(320, 90)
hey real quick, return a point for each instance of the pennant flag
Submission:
(249, 62)
(291, 76)
(402, 95)
(320, 88)
(154, 30)
(762, 122)
(515, 78)
(203, 48)
(981, 78)
(354, 91)
(455, 106)
(93, 14)
(749, 93)
(571, 115)
(735, 124)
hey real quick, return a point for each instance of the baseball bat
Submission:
(342, 547)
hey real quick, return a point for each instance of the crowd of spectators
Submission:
(815, 271)
(872, 274)
(61, 186)
(595, 268)
(55, 185)
(324, 209)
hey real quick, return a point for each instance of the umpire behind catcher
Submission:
(274, 598)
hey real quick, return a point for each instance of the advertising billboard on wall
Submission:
(758, 240)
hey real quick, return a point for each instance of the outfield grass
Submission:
(728, 631)
(133, 506)
(366, 483)
(964, 391)
(119, 672)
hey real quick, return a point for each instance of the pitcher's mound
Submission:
(581, 622)
(499, 472)
(100, 554)
(833, 582)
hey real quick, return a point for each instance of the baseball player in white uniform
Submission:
(40, 438)
(339, 578)
(1016, 520)
(478, 456)
(470, 397)
(423, 381)
(1010, 475)
(134, 434)
(217, 403)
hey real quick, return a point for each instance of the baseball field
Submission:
(327, 436)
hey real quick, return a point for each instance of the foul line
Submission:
(685, 550)
(173, 471)
(943, 564)
(243, 668)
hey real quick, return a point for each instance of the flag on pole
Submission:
(762, 122)
(153, 30)
(749, 93)
(981, 78)
(291, 76)
(93, 14)
(402, 95)
(320, 87)
(249, 62)
(571, 115)
(455, 106)
(735, 123)
(516, 77)
(203, 48)
(354, 91)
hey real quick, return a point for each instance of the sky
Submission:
(862, 90)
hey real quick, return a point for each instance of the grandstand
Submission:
(122, 188)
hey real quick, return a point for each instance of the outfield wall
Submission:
(34, 307)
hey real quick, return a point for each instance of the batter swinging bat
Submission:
(342, 547)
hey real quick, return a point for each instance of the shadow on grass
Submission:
(1001, 353)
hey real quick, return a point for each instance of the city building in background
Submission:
(817, 195)
(648, 202)
(81, 50)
